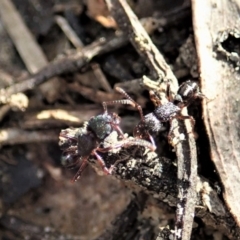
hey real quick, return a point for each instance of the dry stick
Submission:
(69, 32)
(12, 136)
(26, 45)
(129, 23)
(217, 16)
(58, 117)
(186, 151)
(101, 78)
(52, 119)
(29, 50)
(72, 36)
(96, 96)
(70, 63)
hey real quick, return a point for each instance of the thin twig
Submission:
(221, 114)
(71, 35)
(12, 136)
(21, 35)
(70, 63)
(59, 117)
(101, 77)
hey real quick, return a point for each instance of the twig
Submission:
(70, 63)
(31, 53)
(186, 151)
(101, 77)
(131, 86)
(71, 35)
(128, 23)
(4, 110)
(221, 117)
(57, 118)
(97, 96)
(12, 136)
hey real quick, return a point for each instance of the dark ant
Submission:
(152, 123)
(79, 144)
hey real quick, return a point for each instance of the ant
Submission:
(79, 144)
(153, 122)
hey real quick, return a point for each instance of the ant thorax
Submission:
(166, 112)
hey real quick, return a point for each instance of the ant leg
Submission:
(168, 92)
(154, 98)
(196, 95)
(131, 142)
(128, 101)
(136, 142)
(152, 141)
(80, 170)
(131, 101)
(71, 149)
(192, 120)
(115, 102)
(140, 142)
(134, 104)
(66, 134)
(102, 163)
(183, 117)
(119, 130)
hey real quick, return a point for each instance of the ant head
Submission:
(100, 125)
(187, 93)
